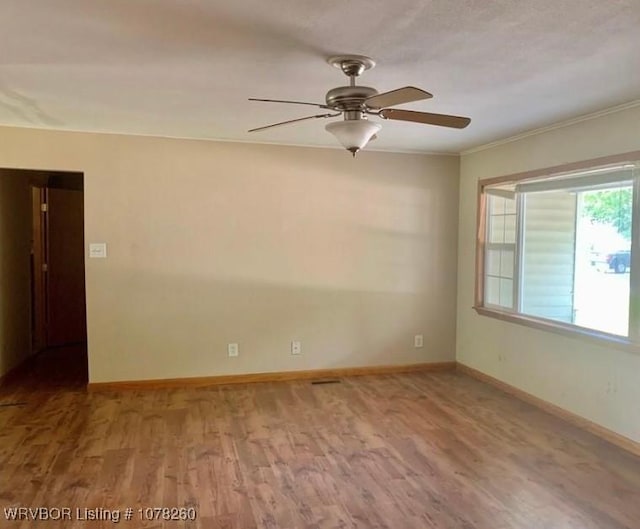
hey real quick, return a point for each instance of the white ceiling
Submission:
(185, 68)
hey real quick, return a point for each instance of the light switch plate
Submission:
(98, 250)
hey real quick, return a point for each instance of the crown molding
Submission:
(555, 126)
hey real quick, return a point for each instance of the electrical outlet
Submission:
(232, 349)
(418, 340)
(296, 348)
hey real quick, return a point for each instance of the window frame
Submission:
(628, 343)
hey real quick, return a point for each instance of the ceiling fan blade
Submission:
(289, 102)
(408, 94)
(294, 121)
(442, 120)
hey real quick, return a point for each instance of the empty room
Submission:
(320, 265)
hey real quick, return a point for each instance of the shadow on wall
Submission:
(172, 326)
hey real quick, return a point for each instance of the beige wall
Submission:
(211, 243)
(594, 381)
(15, 248)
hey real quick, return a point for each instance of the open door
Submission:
(66, 310)
(57, 267)
(58, 259)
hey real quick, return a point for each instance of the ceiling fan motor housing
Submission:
(349, 97)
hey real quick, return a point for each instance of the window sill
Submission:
(572, 331)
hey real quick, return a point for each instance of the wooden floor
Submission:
(416, 451)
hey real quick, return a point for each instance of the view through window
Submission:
(603, 259)
(559, 248)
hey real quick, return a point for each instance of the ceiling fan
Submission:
(356, 103)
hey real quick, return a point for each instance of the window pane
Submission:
(492, 291)
(496, 232)
(496, 205)
(577, 256)
(493, 262)
(506, 292)
(500, 250)
(603, 258)
(549, 255)
(506, 263)
(510, 229)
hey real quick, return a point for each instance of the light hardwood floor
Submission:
(432, 450)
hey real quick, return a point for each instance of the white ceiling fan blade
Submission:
(288, 102)
(442, 120)
(294, 121)
(408, 94)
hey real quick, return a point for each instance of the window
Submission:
(555, 248)
(501, 250)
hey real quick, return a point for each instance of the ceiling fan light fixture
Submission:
(353, 134)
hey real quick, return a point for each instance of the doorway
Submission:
(58, 283)
(46, 249)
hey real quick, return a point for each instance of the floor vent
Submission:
(326, 381)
